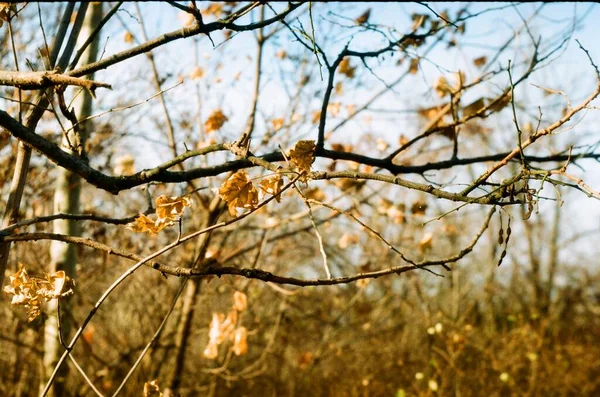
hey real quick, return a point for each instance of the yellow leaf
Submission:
(441, 87)
(239, 192)
(144, 224)
(272, 186)
(316, 116)
(314, 193)
(303, 156)
(346, 69)
(473, 107)
(215, 121)
(171, 208)
(125, 165)
(364, 17)
(414, 66)
(480, 62)
(128, 38)
(426, 242)
(215, 9)
(186, 18)
(240, 301)
(197, 73)
(278, 123)
(240, 341)
(339, 88)
(151, 389)
(334, 108)
(281, 54)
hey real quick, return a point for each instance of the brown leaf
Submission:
(239, 192)
(480, 62)
(278, 123)
(426, 242)
(240, 341)
(474, 107)
(418, 20)
(272, 186)
(316, 116)
(303, 156)
(197, 73)
(346, 69)
(216, 8)
(128, 37)
(364, 17)
(151, 389)
(414, 66)
(215, 121)
(418, 208)
(171, 208)
(144, 224)
(240, 301)
(441, 87)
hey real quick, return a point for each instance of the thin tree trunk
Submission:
(67, 200)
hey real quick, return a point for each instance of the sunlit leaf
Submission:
(128, 37)
(240, 341)
(151, 389)
(171, 208)
(272, 186)
(215, 121)
(197, 73)
(239, 192)
(364, 17)
(414, 66)
(278, 123)
(240, 301)
(426, 242)
(303, 156)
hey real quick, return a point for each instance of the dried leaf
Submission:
(144, 224)
(171, 208)
(418, 208)
(212, 351)
(215, 121)
(414, 66)
(501, 104)
(364, 17)
(128, 37)
(197, 73)
(281, 54)
(347, 240)
(480, 62)
(239, 192)
(216, 8)
(441, 87)
(334, 108)
(339, 88)
(240, 341)
(272, 186)
(186, 18)
(31, 292)
(125, 165)
(303, 156)
(151, 389)
(314, 193)
(426, 242)
(240, 301)
(278, 123)
(316, 116)
(418, 20)
(346, 69)
(474, 107)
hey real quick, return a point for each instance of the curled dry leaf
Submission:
(272, 186)
(303, 156)
(151, 389)
(31, 292)
(171, 208)
(215, 121)
(144, 224)
(239, 192)
(346, 69)
(364, 17)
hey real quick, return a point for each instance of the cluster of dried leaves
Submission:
(228, 327)
(31, 292)
(168, 211)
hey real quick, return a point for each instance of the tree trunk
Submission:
(66, 200)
